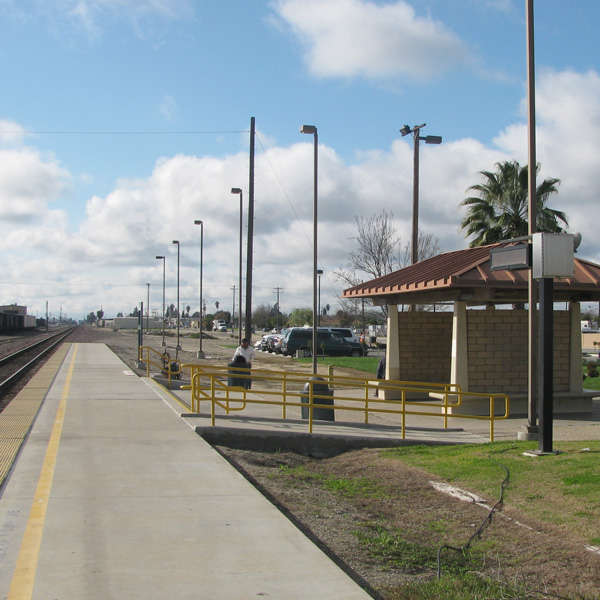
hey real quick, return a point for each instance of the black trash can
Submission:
(235, 369)
(321, 389)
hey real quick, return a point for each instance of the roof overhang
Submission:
(465, 275)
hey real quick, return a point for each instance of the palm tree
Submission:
(500, 210)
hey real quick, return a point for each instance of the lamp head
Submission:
(405, 130)
(236, 190)
(432, 139)
(176, 242)
(159, 257)
(308, 129)
(196, 222)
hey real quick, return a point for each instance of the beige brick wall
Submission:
(425, 346)
(497, 349)
(497, 342)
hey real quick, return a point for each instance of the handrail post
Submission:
(403, 397)
(283, 396)
(311, 400)
(212, 399)
(446, 409)
(492, 415)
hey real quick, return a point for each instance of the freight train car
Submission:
(15, 318)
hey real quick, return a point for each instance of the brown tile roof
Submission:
(466, 275)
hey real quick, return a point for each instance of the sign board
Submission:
(511, 258)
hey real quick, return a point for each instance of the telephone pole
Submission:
(233, 316)
(278, 291)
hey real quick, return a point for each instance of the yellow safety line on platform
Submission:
(24, 576)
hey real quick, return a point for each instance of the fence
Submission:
(283, 389)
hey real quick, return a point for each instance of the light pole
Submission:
(163, 312)
(430, 139)
(311, 129)
(239, 191)
(319, 273)
(200, 352)
(177, 313)
(148, 309)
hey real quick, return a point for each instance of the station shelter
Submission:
(453, 320)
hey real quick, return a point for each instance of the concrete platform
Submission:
(114, 496)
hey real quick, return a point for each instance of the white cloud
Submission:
(110, 257)
(348, 38)
(168, 108)
(11, 133)
(28, 183)
(92, 17)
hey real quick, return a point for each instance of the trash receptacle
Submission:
(320, 389)
(235, 369)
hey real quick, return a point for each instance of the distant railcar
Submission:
(15, 318)
(11, 322)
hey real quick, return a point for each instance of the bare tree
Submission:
(379, 252)
(427, 246)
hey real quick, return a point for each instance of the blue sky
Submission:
(123, 121)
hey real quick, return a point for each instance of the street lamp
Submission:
(200, 352)
(163, 312)
(430, 139)
(239, 191)
(311, 129)
(177, 313)
(319, 273)
(148, 310)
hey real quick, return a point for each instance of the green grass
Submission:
(360, 486)
(591, 383)
(366, 364)
(383, 543)
(465, 587)
(353, 487)
(563, 489)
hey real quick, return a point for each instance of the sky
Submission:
(124, 121)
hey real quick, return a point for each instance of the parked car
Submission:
(345, 332)
(264, 342)
(329, 343)
(274, 343)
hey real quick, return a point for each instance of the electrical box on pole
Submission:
(553, 255)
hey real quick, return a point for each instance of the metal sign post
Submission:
(549, 256)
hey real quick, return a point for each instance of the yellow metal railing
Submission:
(354, 394)
(169, 367)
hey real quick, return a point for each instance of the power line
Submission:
(50, 132)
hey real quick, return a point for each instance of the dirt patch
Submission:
(383, 521)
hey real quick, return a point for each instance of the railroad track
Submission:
(15, 367)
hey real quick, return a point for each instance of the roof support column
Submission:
(459, 368)
(392, 360)
(575, 378)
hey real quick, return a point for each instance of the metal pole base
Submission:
(200, 354)
(529, 433)
(535, 453)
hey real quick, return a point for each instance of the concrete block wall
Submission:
(425, 346)
(497, 350)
